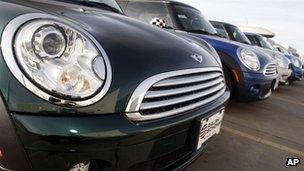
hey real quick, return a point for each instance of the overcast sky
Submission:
(284, 17)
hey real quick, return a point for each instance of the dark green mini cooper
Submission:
(84, 87)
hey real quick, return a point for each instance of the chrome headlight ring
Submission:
(249, 59)
(86, 78)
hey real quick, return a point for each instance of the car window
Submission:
(221, 30)
(192, 19)
(122, 4)
(264, 43)
(148, 12)
(237, 35)
(253, 40)
(282, 50)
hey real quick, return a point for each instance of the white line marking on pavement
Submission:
(263, 141)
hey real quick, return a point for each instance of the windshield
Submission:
(149, 12)
(220, 29)
(237, 35)
(106, 4)
(192, 20)
(283, 50)
(264, 43)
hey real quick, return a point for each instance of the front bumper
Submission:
(255, 86)
(284, 74)
(110, 142)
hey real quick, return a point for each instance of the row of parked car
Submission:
(83, 86)
(253, 67)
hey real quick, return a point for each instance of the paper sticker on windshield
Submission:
(158, 22)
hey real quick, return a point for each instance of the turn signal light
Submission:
(1, 154)
(236, 75)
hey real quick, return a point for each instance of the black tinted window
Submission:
(237, 35)
(253, 40)
(192, 19)
(264, 43)
(221, 30)
(148, 11)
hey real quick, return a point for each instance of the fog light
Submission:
(1, 154)
(83, 166)
(254, 90)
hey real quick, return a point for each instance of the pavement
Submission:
(259, 136)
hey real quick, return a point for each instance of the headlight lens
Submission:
(280, 61)
(56, 61)
(295, 62)
(249, 59)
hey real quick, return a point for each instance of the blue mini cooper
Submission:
(250, 74)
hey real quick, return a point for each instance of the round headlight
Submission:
(280, 61)
(55, 61)
(295, 62)
(249, 59)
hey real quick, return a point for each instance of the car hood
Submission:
(136, 52)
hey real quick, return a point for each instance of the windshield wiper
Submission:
(98, 5)
(168, 27)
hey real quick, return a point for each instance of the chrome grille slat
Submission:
(177, 110)
(181, 99)
(270, 70)
(175, 91)
(186, 80)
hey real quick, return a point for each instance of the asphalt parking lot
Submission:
(260, 135)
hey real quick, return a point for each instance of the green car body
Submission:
(41, 134)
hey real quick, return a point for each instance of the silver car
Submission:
(283, 63)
